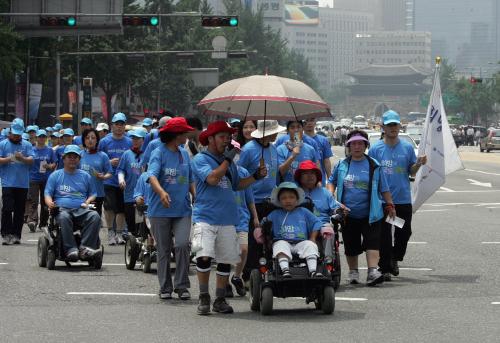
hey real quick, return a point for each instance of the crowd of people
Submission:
(206, 193)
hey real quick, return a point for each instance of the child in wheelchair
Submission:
(294, 229)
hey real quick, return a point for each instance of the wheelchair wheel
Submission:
(97, 263)
(43, 245)
(51, 259)
(132, 251)
(328, 300)
(146, 263)
(254, 291)
(266, 301)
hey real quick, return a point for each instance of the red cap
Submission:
(176, 125)
(307, 165)
(213, 129)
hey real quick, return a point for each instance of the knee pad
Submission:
(223, 269)
(203, 264)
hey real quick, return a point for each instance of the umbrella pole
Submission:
(262, 162)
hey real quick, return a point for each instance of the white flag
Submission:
(438, 145)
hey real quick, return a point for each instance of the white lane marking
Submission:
(113, 293)
(482, 172)
(446, 189)
(478, 183)
(432, 210)
(32, 240)
(492, 207)
(441, 204)
(490, 191)
(417, 242)
(104, 264)
(336, 298)
(408, 268)
(490, 242)
(495, 303)
(3, 263)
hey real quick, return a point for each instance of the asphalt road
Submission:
(447, 291)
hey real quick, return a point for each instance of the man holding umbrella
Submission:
(215, 212)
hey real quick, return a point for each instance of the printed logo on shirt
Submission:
(66, 190)
(224, 183)
(135, 168)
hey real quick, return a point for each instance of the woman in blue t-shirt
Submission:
(43, 165)
(360, 186)
(96, 163)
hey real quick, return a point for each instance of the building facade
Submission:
(393, 47)
(329, 46)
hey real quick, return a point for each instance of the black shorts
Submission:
(359, 236)
(113, 200)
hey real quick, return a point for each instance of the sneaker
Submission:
(32, 226)
(6, 240)
(165, 295)
(374, 277)
(286, 273)
(394, 268)
(15, 239)
(86, 253)
(238, 285)
(183, 294)
(204, 304)
(387, 277)
(72, 256)
(315, 274)
(353, 277)
(111, 239)
(120, 240)
(221, 306)
(229, 291)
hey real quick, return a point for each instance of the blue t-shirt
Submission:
(155, 143)
(96, 163)
(296, 225)
(244, 198)
(356, 193)
(114, 148)
(77, 140)
(59, 156)
(143, 188)
(41, 154)
(69, 190)
(324, 203)
(130, 165)
(305, 139)
(307, 152)
(250, 160)
(150, 136)
(214, 205)
(16, 174)
(325, 151)
(173, 171)
(396, 162)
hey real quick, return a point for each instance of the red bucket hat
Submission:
(213, 129)
(304, 166)
(176, 125)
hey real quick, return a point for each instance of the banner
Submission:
(438, 145)
(35, 95)
(72, 101)
(302, 13)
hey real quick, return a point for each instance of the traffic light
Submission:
(475, 80)
(219, 21)
(87, 97)
(58, 21)
(140, 21)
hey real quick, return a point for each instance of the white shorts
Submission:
(219, 242)
(242, 238)
(303, 249)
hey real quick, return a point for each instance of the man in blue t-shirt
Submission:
(16, 158)
(215, 213)
(324, 149)
(72, 190)
(85, 124)
(398, 161)
(115, 145)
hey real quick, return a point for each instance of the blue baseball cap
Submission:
(137, 133)
(36, 127)
(58, 126)
(41, 133)
(30, 128)
(86, 121)
(4, 132)
(147, 122)
(68, 132)
(49, 129)
(25, 136)
(17, 128)
(56, 134)
(390, 117)
(234, 121)
(72, 149)
(19, 121)
(119, 117)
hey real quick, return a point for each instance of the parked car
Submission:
(415, 132)
(373, 137)
(491, 141)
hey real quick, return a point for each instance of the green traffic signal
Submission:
(233, 21)
(71, 21)
(153, 21)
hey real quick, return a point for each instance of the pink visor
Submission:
(356, 138)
